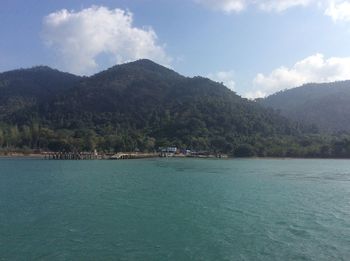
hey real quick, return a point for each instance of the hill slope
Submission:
(325, 105)
(24, 88)
(138, 105)
(153, 102)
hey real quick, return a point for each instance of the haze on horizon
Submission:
(255, 47)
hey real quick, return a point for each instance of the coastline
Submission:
(102, 156)
(22, 155)
(134, 155)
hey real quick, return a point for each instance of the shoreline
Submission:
(18, 155)
(22, 155)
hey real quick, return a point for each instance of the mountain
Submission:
(144, 102)
(142, 105)
(24, 88)
(326, 105)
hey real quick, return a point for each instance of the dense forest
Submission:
(326, 105)
(143, 106)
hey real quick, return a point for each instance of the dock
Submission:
(71, 155)
(96, 156)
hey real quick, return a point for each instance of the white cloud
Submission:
(281, 5)
(315, 68)
(227, 6)
(254, 94)
(338, 10)
(230, 6)
(82, 38)
(225, 77)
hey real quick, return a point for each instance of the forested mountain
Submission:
(144, 96)
(325, 105)
(24, 88)
(142, 106)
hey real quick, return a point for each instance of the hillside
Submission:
(325, 105)
(24, 88)
(143, 106)
(148, 97)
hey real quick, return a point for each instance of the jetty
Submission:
(71, 155)
(85, 155)
(134, 155)
(96, 156)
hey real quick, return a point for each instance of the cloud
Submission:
(315, 68)
(338, 10)
(281, 5)
(82, 39)
(226, 77)
(231, 6)
(254, 94)
(227, 6)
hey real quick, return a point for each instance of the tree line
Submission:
(35, 137)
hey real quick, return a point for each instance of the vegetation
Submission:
(326, 105)
(144, 106)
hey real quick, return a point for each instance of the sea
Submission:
(175, 209)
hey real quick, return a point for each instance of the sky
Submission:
(255, 47)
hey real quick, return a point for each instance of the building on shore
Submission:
(168, 151)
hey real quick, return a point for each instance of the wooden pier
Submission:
(71, 156)
(96, 156)
(136, 155)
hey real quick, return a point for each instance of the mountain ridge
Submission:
(326, 105)
(143, 106)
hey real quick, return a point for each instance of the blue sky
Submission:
(255, 47)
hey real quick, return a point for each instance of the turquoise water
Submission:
(175, 209)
